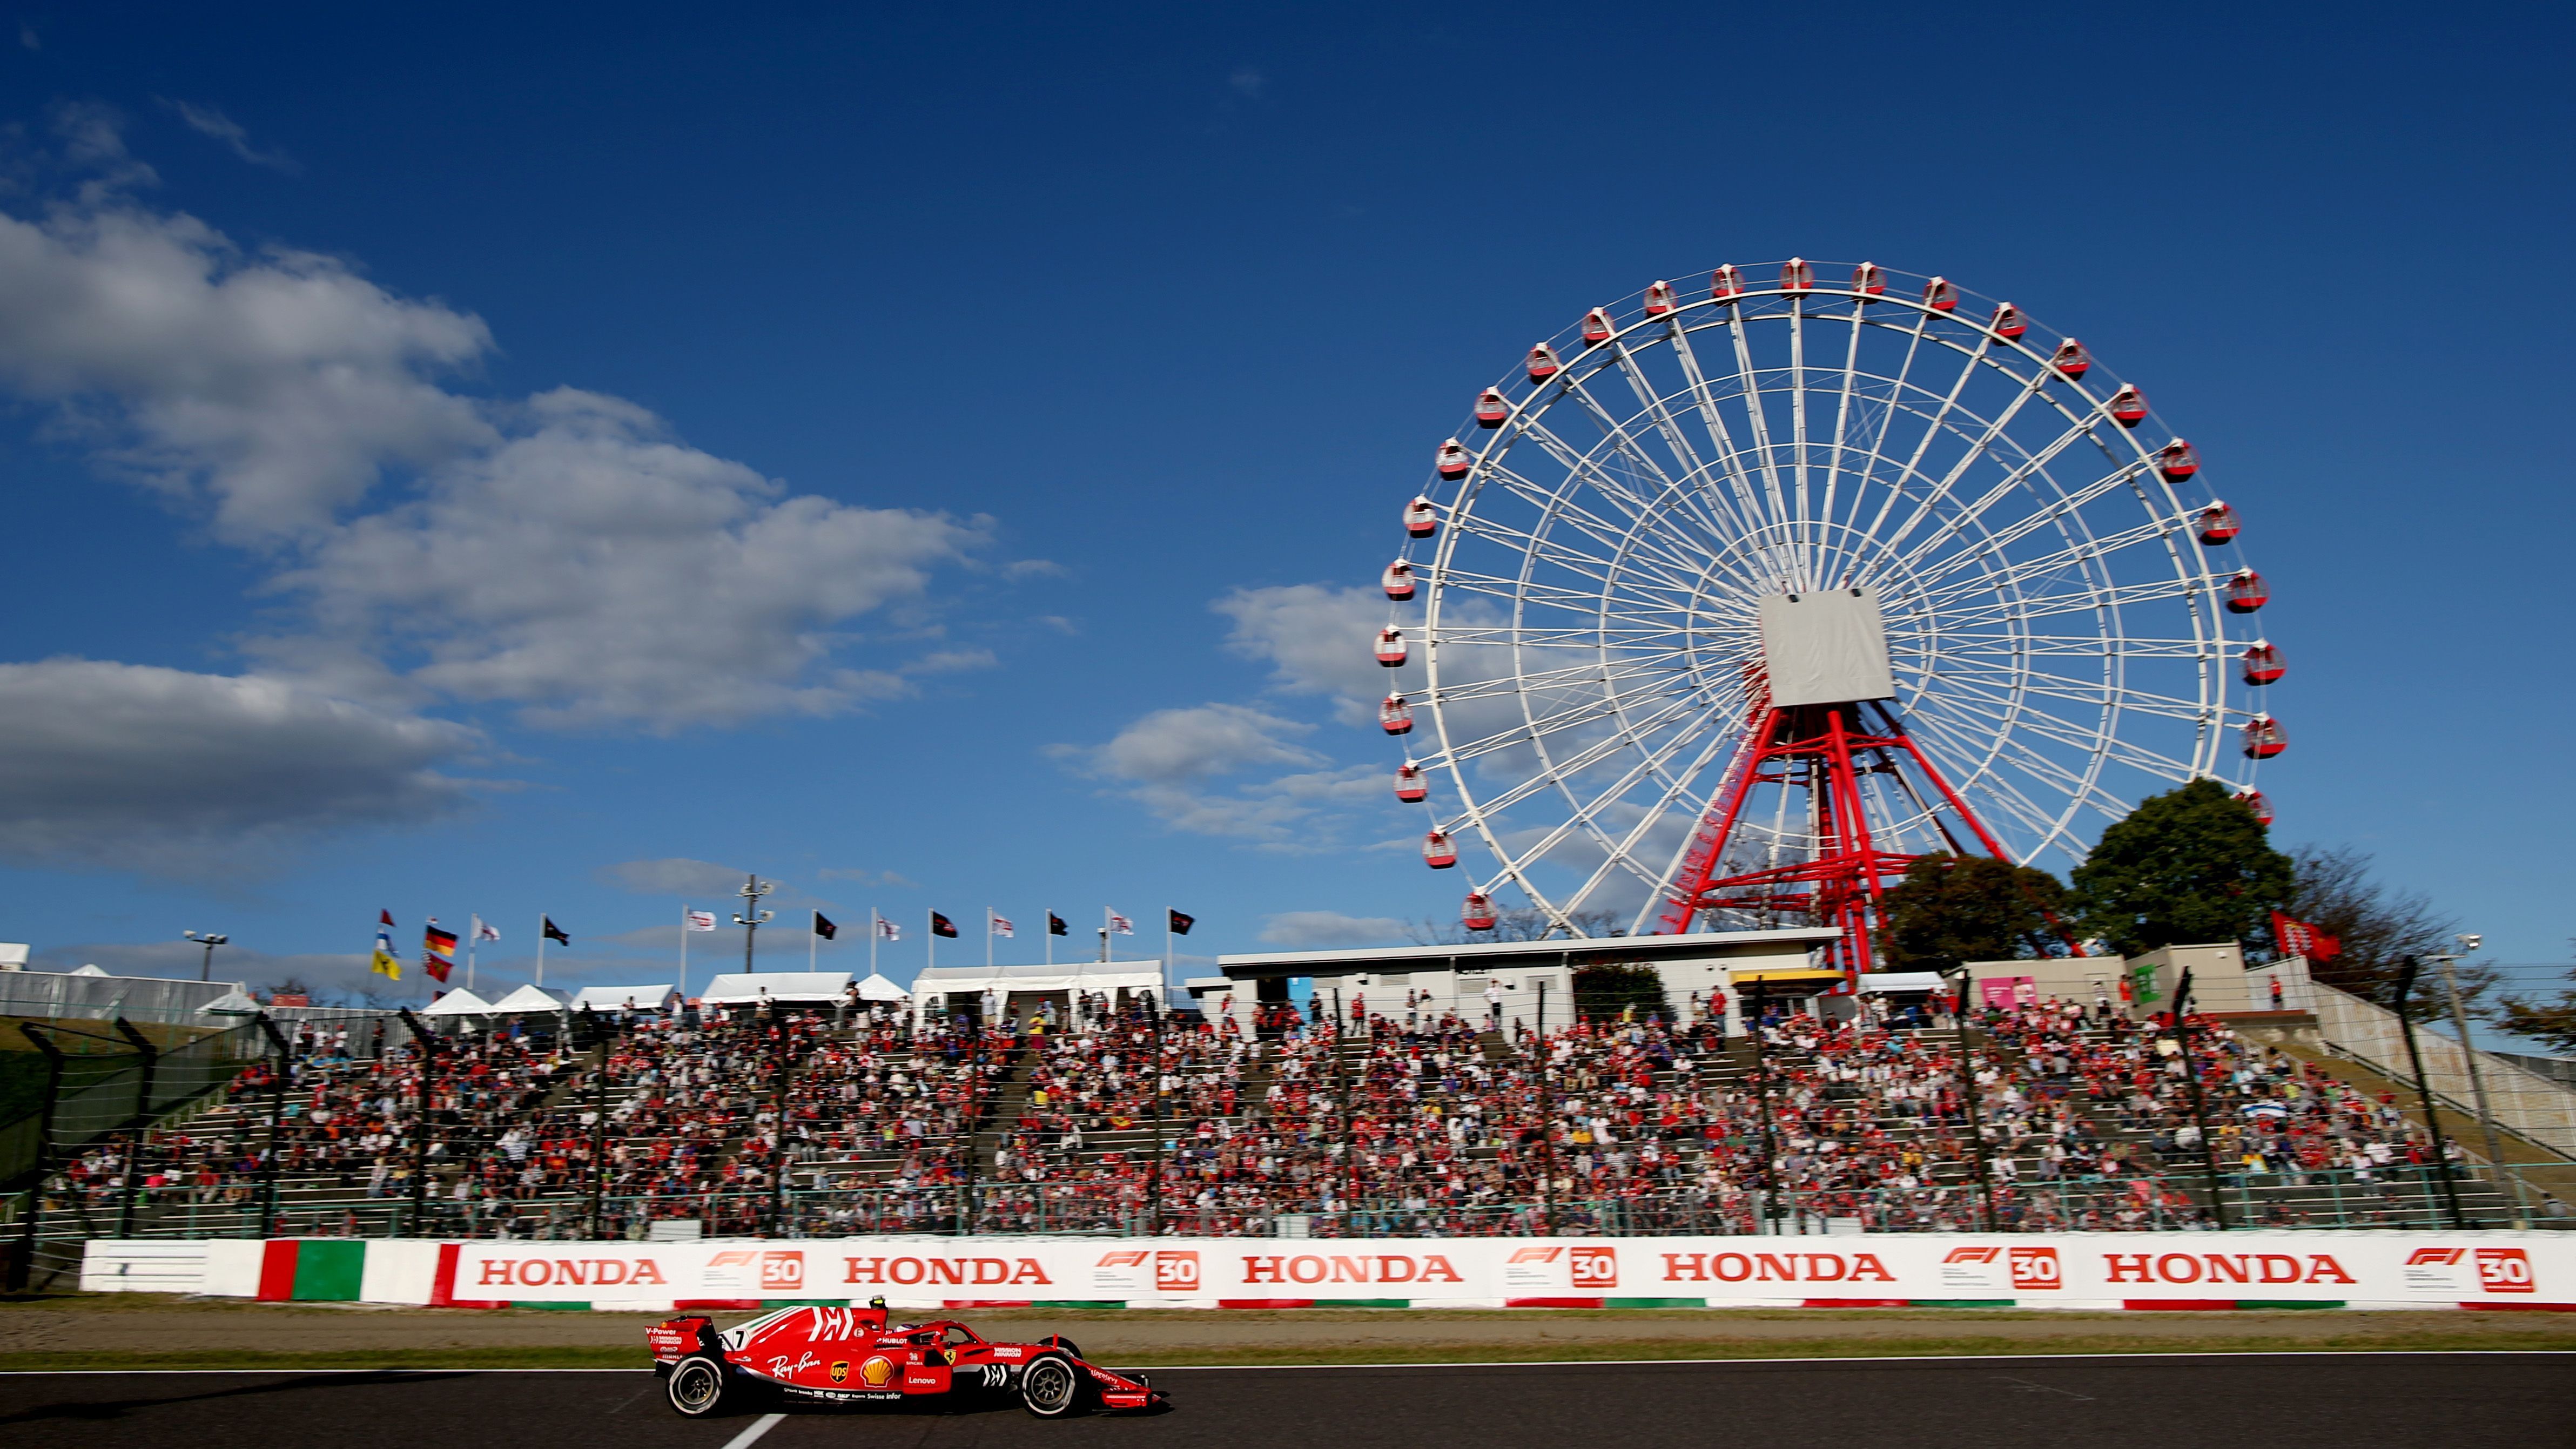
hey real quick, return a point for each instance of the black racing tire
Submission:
(1052, 1388)
(1058, 1340)
(701, 1386)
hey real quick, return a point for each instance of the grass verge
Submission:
(1948, 1346)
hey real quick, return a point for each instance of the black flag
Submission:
(1181, 924)
(942, 926)
(555, 932)
(824, 928)
(1056, 926)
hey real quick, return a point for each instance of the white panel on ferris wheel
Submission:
(1826, 647)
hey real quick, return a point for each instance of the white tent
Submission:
(877, 988)
(796, 988)
(459, 1002)
(527, 999)
(236, 1002)
(626, 998)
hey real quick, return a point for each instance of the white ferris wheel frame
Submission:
(1701, 455)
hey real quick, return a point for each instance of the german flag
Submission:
(438, 942)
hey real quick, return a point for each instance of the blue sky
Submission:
(547, 458)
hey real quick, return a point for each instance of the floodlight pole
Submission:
(751, 916)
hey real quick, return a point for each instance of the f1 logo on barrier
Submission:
(782, 1270)
(2505, 1270)
(2035, 1268)
(1596, 1267)
(1176, 1272)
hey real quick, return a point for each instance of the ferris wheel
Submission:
(1722, 609)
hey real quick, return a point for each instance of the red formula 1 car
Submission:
(854, 1356)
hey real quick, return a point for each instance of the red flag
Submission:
(385, 916)
(2298, 938)
(436, 965)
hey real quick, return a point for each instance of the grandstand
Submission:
(1100, 1113)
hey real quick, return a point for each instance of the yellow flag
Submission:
(386, 965)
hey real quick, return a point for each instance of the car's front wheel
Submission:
(699, 1385)
(1051, 1387)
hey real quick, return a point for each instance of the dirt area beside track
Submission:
(38, 1331)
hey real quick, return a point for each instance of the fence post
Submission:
(22, 1260)
(137, 1127)
(428, 1056)
(276, 1118)
(1968, 1095)
(599, 1128)
(2199, 1109)
(2423, 1093)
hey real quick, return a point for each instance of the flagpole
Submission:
(684, 951)
(474, 938)
(541, 950)
(876, 928)
(988, 938)
(1049, 933)
(929, 943)
(813, 938)
(1167, 950)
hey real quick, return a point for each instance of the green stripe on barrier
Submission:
(1364, 1303)
(330, 1270)
(1654, 1303)
(2268, 1304)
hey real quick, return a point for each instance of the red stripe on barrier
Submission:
(277, 1270)
(2520, 1307)
(2181, 1305)
(1265, 1303)
(1553, 1303)
(724, 1305)
(442, 1284)
(1856, 1303)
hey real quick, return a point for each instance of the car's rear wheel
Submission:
(1051, 1387)
(700, 1385)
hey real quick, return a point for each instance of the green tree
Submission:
(2551, 1021)
(1954, 908)
(2188, 866)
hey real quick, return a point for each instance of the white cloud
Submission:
(1211, 739)
(860, 875)
(564, 554)
(1316, 930)
(673, 876)
(208, 121)
(277, 387)
(596, 571)
(1247, 82)
(169, 772)
(1318, 640)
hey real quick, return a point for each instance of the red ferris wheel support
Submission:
(1826, 750)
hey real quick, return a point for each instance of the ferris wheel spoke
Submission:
(1589, 710)
(2099, 742)
(1989, 783)
(1963, 644)
(1933, 429)
(1747, 496)
(1757, 421)
(1658, 410)
(1978, 451)
(1621, 541)
(2106, 598)
(1681, 720)
(2087, 549)
(2083, 691)
(1554, 552)
(1845, 398)
(2016, 478)
(1539, 595)
(1644, 513)
(1585, 814)
(1668, 488)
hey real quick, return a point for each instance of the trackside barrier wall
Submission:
(2202, 1270)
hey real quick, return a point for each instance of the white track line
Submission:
(751, 1436)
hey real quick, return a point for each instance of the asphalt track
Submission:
(2275, 1401)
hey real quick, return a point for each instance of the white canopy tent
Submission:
(877, 988)
(788, 988)
(459, 1002)
(525, 1000)
(662, 997)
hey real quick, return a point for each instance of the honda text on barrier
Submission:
(820, 1355)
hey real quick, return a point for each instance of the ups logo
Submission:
(840, 1370)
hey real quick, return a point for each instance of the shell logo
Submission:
(877, 1372)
